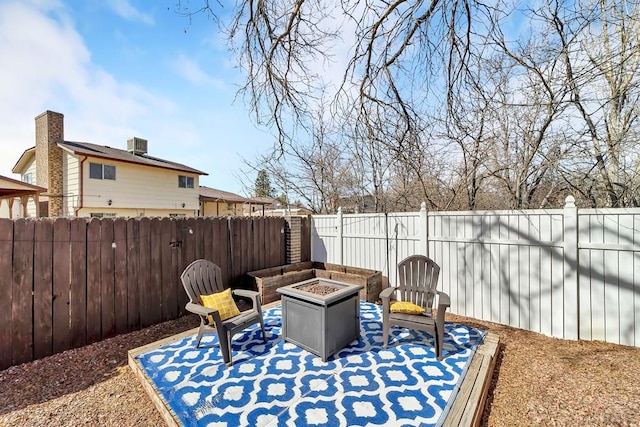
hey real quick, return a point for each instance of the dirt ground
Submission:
(546, 381)
(538, 381)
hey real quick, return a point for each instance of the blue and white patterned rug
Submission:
(280, 384)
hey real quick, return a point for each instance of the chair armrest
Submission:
(199, 309)
(205, 312)
(443, 303)
(246, 293)
(385, 295)
(443, 300)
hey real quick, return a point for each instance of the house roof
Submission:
(23, 160)
(208, 194)
(266, 201)
(105, 152)
(109, 153)
(10, 187)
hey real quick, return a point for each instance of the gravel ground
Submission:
(546, 381)
(538, 381)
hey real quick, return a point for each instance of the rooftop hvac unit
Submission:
(137, 145)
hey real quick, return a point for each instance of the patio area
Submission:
(278, 383)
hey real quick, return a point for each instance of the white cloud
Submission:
(126, 10)
(46, 65)
(194, 74)
(33, 48)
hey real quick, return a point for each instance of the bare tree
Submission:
(316, 171)
(469, 125)
(600, 48)
(528, 149)
(436, 100)
(396, 52)
(566, 106)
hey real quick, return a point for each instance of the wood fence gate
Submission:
(65, 283)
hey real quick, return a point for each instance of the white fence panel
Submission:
(365, 241)
(499, 266)
(409, 232)
(567, 273)
(609, 268)
(325, 239)
(372, 241)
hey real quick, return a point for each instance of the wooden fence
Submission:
(65, 283)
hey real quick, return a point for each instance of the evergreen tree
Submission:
(262, 187)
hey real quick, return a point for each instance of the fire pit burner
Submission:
(319, 289)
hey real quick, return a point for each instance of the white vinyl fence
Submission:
(569, 273)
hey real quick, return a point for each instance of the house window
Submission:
(95, 170)
(28, 178)
(185, 181)
(100, 171)
(109, 172)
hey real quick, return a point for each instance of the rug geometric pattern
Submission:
(280, 384)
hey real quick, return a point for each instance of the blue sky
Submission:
(123, 68)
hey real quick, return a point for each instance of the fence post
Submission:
(339, 225)
(293, 239)
(230, 247)
(424, 228)
(571, 274)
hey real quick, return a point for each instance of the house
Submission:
(266, 206)
(356, 204)
(27, 195)
(214, 202)
(287, 212)
(262, 206)
(89, 180)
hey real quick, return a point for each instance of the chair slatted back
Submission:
(201, 277)
(417, 280)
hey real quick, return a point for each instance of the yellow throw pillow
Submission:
(223, 302)
(406, 308)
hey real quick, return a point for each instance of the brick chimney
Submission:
(49, 131)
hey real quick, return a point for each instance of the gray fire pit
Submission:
(321, 324)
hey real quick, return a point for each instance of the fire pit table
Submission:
(320, 315)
